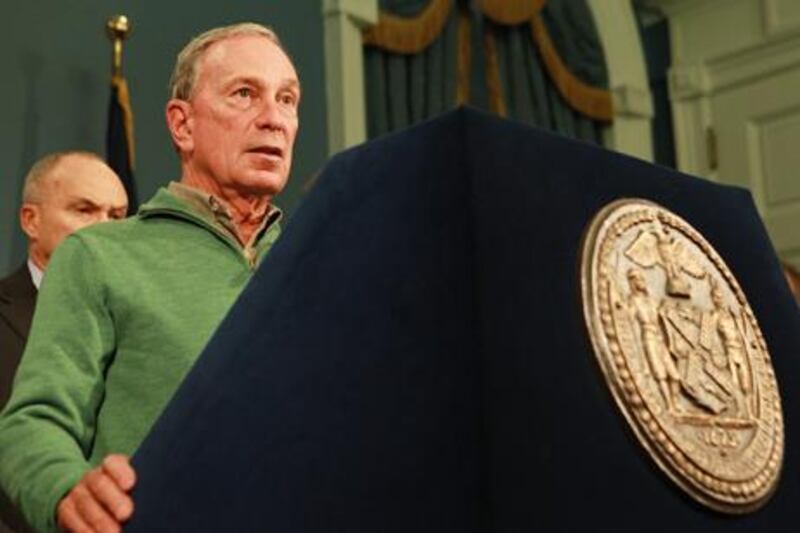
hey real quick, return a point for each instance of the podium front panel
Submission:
(412, 354)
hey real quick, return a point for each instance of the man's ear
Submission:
(29, 220)
(179, 122)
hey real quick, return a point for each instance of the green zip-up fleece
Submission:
(124, 311)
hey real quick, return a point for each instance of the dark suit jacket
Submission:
(17, 301)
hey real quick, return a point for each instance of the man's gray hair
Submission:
(184, 76)
(43, 169)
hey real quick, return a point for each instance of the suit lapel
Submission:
(18, 300)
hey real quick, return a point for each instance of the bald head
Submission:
(63, 193)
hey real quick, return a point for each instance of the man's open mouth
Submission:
(272, 151)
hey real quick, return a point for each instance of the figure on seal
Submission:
(645, 310)
(733, 344)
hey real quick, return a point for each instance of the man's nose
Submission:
(269, 116)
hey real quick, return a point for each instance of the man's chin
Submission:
(264, 183)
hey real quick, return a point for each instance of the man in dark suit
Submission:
(63, 192)
(17, 300)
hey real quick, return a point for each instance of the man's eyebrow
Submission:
(78, 200)
(291, 83)
(248, 80)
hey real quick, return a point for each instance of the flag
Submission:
(119, 138)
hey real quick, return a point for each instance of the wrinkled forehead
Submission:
(247, 54)
(84, 178)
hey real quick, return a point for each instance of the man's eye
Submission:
(244, 92)
(287, 98)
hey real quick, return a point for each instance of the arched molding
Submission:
(343, 22)
(630, 131)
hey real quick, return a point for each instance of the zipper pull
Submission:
(250, 254)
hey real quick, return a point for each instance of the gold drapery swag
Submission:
(593, 102)
(510, 12)
(411, 35)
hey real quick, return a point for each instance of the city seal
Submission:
(682, 353)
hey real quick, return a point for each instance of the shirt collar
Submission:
(217, 211)
(36, 273)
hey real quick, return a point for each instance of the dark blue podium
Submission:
(412, 355)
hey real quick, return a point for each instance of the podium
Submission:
(412, 354)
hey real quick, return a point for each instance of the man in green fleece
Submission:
(127, 307)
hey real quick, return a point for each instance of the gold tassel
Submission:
(464, 56)
(493, 85)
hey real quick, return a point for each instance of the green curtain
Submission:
(529, 94)
(403, 89)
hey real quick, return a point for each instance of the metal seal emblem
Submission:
(683, 355)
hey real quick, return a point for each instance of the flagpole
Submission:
(118, 28)
(119, 133)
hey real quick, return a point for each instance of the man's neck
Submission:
(247, 211)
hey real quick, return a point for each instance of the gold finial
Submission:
(118, 28)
